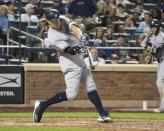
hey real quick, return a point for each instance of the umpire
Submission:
(65, 36)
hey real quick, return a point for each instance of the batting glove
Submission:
(84, 38)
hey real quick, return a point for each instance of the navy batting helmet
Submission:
(155, 23)
(52, 14)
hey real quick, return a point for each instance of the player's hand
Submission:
(73, 50)
(84, 38)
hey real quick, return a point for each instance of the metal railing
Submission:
(22, 46)
(19, 45)
(128, 48)
(25, 33)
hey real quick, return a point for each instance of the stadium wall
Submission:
(130, 83)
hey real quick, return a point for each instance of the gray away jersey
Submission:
(59, 39)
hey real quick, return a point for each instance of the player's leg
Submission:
(93, 95)
(40, 106)
(160, 85)
(72, 79)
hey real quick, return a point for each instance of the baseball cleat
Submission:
(158, 110)
(38, 111)
(104, 119)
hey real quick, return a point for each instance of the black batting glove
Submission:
(73, 50)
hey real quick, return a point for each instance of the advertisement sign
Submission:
(11, 84)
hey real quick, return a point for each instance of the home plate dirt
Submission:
(89, 123)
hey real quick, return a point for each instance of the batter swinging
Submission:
(65, 36)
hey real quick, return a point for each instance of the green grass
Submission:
(40, 128)
(114, 115)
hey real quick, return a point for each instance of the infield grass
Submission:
(117, 115)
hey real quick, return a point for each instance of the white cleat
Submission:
(158, 110)
(38, 111)
(105, 119)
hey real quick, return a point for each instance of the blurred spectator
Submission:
(108, 36)
(33, 2)
(111, 15)
(136, 54)
(3, 23)
(122, 2)
(101, 7)
(99, 37)
(11, 11)
(37, 9)
(109, 33)
(129, 22)
(123, 54)
(96, 60)
(112, 3)
(156, 14)
(121, 42)
(99, 41)
(82, 8)
(114, 59)
(121, 12)
(28, 16)
(162, 16)
(101, 12)
(130, 27)
(140, 8)
(144, 25)
(146, 58)
(119, 27)
(136, 15)
(58, 5)
(42, 28)
(47, 56)
(161, 6)
(4, 18)
(89, 23)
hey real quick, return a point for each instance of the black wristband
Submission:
(72, 50)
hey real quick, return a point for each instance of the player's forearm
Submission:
(144, 42)
(76, 31)
(148, 34)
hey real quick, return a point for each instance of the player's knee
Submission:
(160, 83)
(71, 94)
(91, 88)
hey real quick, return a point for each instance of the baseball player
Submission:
(64, 35)
(154, 43)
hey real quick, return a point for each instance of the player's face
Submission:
(153, 29)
